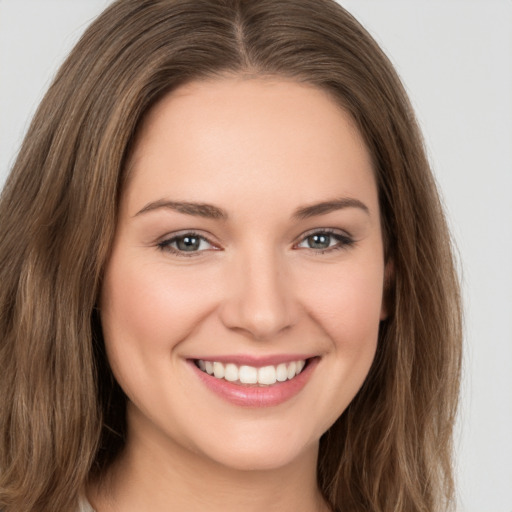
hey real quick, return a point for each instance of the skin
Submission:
(259, 149)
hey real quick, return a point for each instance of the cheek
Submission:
(140, 302)
(348, 305)
(348, 310)
(145, 315)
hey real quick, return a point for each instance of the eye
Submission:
(186, 244)
(325, 241)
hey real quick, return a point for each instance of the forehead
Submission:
(255, 137)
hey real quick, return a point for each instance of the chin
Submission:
(261, 451)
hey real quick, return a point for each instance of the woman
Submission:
(226, 275)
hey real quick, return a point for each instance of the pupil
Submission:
(319, 241)
(188, 243)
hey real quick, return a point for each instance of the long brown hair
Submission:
(62, 413)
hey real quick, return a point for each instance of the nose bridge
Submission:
(259, 299)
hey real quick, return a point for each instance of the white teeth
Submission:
(248, 375)
(291, 370)
(231, 372)
(265, 375)
(218, 370)
(281, 372)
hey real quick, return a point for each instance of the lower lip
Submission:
(257, 396)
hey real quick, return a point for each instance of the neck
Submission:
(148, 476)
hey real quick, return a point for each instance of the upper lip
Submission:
(256, 361)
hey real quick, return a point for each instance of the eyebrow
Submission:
(210, 211)
(188, 208)
(305, 212)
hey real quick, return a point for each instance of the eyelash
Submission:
(165, 245)
(344, 242)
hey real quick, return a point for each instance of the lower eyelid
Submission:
(342, 245)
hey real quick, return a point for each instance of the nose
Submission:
(258, 298)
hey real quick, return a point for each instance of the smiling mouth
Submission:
(251, 375)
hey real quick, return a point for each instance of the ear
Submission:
(389, 277)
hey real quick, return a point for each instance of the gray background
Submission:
(455, 57)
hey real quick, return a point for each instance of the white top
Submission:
(84, 506)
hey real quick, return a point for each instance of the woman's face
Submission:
(249, 244)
